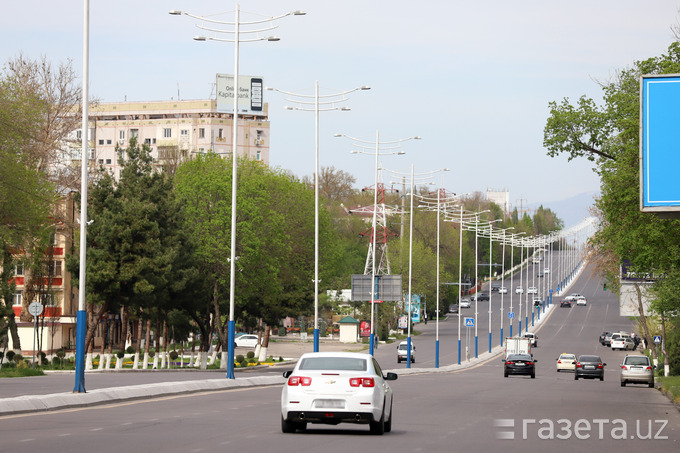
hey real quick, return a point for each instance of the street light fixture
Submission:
(389, 145)
(321, 103)
(236, 39)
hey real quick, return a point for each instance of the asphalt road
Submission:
(473, 410)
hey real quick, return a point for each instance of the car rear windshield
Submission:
(589, 358)
(519, 357)
(636, 361)
(333, 363)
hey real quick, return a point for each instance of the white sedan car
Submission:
(503, 290)
(246, 341)
(581, 301)
(532, 290)
(566, 362)
(337, 387)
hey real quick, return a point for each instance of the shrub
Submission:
(120, 354)
(282, 331)
(56, 361)
(130, 350)
(18, 358)
(239, 358)
(280, 359)
(10, 355)
(250, 354)
(152, 352)
(21, 364)
(244, 363)
(60, 353)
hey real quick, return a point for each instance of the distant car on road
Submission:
(481, 297)
(565, 303)
(532, 290)
(337, 387)
(523, 364)
(246, 341)
(603, 335)
(519, 290)
(503, 290)
(622, 342)
(589, 366)
(581, 301)
(566, 362)
(453, 308)
(637, 369)
(402, 352)
(533, 337)
(464, 303)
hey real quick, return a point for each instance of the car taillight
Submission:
(578, 364)
(649, 368)
(509, 363)
(362, 382)
(599, 365)
(299, 380)
(529, 363)
(559, 361)
(624, 367)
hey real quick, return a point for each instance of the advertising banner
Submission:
(250, 97)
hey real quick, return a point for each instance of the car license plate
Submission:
(589, 367)
(519, 364)
(330, 404)
(636, 368)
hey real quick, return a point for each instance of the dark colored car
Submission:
(603, 335)
(589, 366)
(482, 296)
(523, 364)
(565, 303)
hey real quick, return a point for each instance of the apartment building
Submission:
(174, 130)
(56, 327)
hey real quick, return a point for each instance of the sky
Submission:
(472, 78)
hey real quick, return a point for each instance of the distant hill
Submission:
(571, 210)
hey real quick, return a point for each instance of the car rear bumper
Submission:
(331, 417)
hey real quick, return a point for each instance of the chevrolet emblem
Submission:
(330, 382)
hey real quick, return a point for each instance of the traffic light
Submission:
(604, 287)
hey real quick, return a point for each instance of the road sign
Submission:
(469, 322)
(35, 308)
(511, 315)
(657, 339)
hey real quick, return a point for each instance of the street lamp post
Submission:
(236, 40)
(362, 144)
(321, 103)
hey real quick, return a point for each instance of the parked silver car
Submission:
(637, 369)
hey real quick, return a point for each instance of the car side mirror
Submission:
(535, 360)
(287, 373)
(604, 364)
(391, 376)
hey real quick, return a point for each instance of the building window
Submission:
(101, 142)
(53, 238)
(79, 135)
(18, 297)
(108, 141)
(47, 300)
(147, 141)
(259, 155)
(54, 268)
(184, 132)
(121, 135)
(201, 132)
(19, 269)
(108, 161)
(167, 132)
(134, 133)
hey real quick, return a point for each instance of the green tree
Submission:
(609, 136)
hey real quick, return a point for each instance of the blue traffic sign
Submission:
(469, 322)
(657, 339)
(511, 315)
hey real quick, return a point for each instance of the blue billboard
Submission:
(659, 143)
